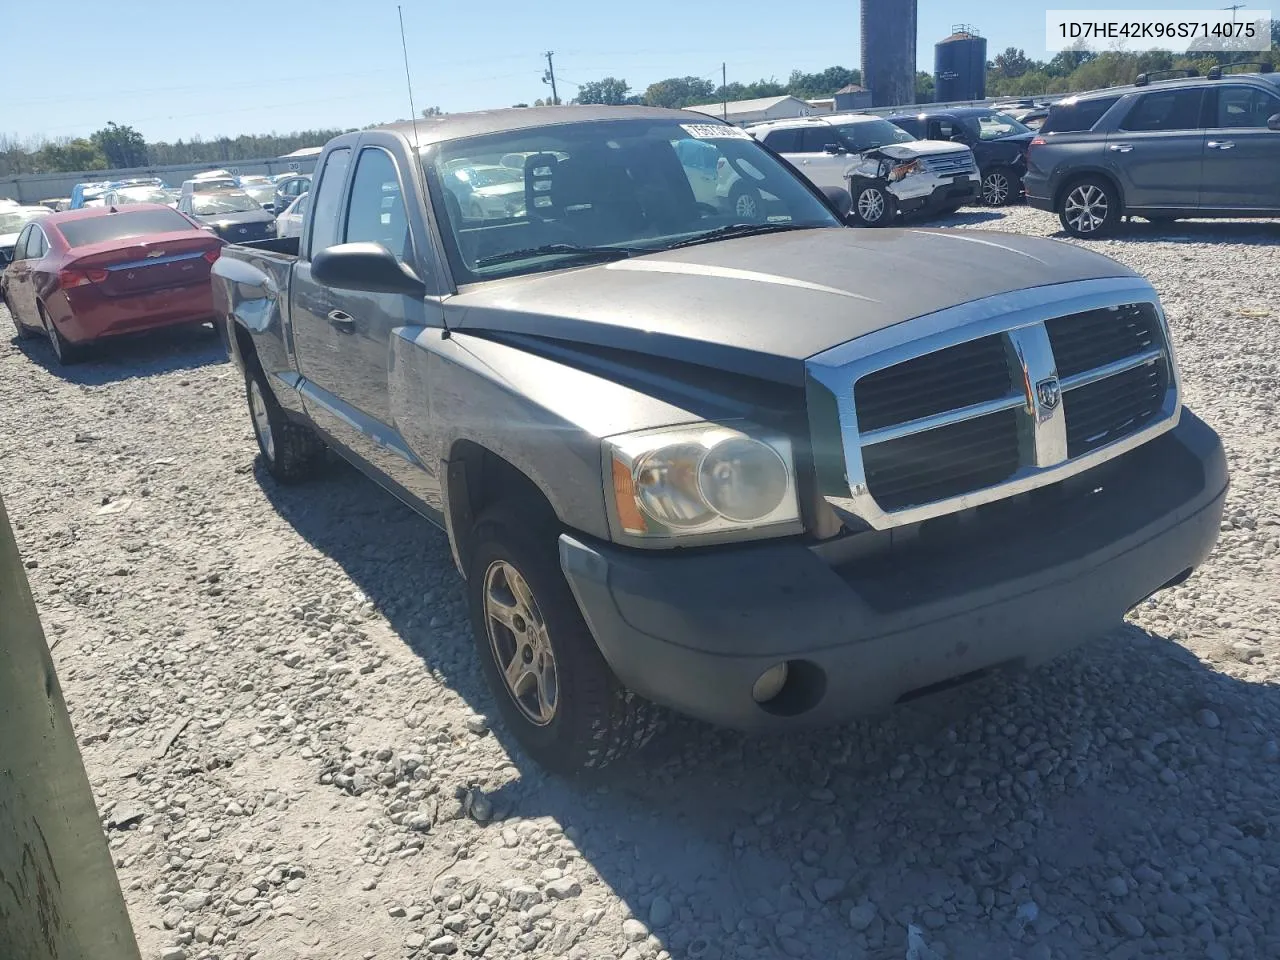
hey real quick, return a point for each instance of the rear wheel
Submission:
(66, 353)
(290, 451)
(1089, 208)
(555, 692)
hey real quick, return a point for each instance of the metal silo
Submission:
(889, 51)
(960, 65)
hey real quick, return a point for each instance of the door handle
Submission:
(1220, 144)
(1120, 147)
(342, 322)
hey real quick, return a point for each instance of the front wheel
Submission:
(556, 694)
(997, 187)
(1089, 208)
(873, 206)
(290, 451)
(24, 332)
(744, 202)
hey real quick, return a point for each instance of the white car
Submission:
(289, 223)
(886, 170)
(13, 217)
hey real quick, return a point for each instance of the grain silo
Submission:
(960, 66)
(889, 51)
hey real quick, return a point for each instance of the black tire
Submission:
(1089, 208)
(64, 352)
(593, 720)
(290, 451)
(998, 187)
(745, 203)
(874, 206)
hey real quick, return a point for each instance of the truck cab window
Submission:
(328, 204)
(377, 212)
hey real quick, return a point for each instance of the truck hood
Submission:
(760, 306)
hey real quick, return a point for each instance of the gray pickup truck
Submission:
(769, 472)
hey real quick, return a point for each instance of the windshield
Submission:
(212, 204)
(993, 126)
(624, 187)
(142, 195)
(870, 134)
(12, 221)
(261, 192)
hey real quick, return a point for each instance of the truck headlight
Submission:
(902, 170)
(700, 480)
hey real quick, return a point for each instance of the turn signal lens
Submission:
(212, 255)
(624, 495)
(80, 278)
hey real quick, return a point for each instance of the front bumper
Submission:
(1022, 583)
(934, 193)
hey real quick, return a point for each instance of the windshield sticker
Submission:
(714, 131)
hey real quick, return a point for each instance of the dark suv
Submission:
(998, 141)
(1160, 149)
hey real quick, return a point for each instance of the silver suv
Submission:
(1160, 149)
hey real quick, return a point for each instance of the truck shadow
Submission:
(953, 812)
(127, 358)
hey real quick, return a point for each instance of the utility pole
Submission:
(550, 77)
(724, 93)
(1233, 8)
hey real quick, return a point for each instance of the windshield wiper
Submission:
(739, 230)
(573, 249)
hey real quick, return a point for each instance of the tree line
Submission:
(118, 146)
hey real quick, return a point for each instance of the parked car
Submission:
(1160, 149)
(83, 275)
(119, 196)
(207, 185)
(85, 194)
(290, 188)
(490, 190)
(13, 217)
(264, 194)
(770, 474)
(289, 223)
(231, 214)
(887, 170)
(998, 141)
(1031, 119)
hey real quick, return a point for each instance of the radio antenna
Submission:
(408, 80)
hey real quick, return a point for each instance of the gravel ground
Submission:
(280, 714)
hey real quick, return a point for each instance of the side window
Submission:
(377, 213)
(815, 139)
(303, 204)
(1076, 117)
(1244, 107)
(326, 220)
(1165, 110)
(944, 128)
(783, 141)
(37, 244)
(20, 248)
(913, 127)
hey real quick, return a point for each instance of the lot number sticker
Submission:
(714, 131)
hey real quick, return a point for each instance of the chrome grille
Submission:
(993, 398)
(948, 164)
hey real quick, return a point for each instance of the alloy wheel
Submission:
(1087, 208)
(745, 206)
(520, 643)
(261, 419)
(871, 205)
(995, 189)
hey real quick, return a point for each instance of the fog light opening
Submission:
(790, 688)
(770, 683)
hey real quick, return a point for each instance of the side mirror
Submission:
(369, 267)
(839, 198)
(835, 149)
(1273, 122)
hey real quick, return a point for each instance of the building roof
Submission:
(452, 126)
(758, 105)
(852, 88)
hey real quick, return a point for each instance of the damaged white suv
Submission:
(885, 169)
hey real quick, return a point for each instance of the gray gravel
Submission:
(283, 723)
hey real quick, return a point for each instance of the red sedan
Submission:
(81, 275)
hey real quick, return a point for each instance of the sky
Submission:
(176, 70)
